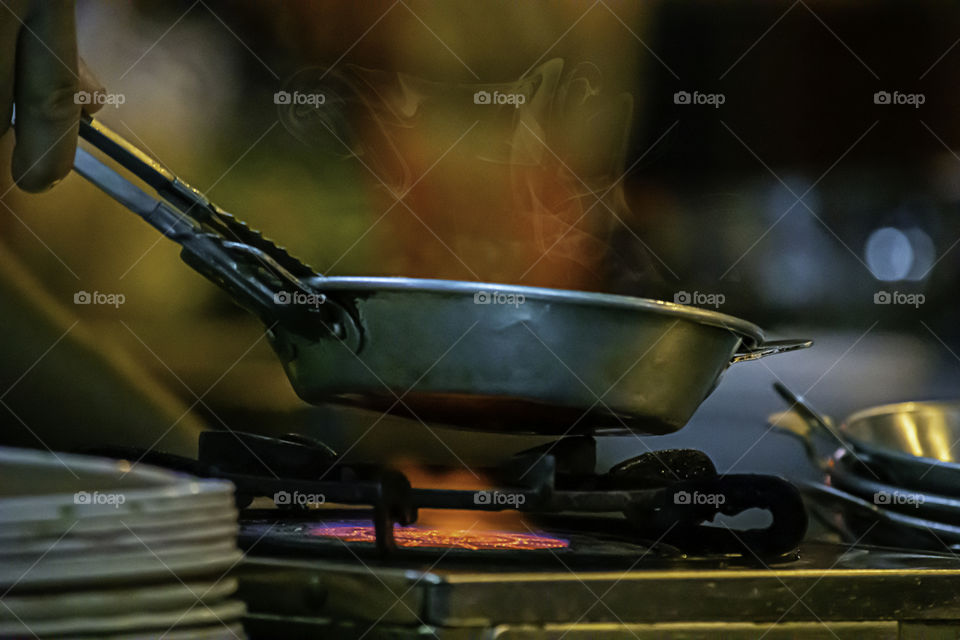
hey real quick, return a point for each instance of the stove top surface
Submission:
(845, 589)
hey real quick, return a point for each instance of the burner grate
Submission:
(667, 497)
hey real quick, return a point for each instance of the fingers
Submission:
(45, 93)
(92, 85)
(9, 28)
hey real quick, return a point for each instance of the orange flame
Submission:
(452, 520)
(427, 537)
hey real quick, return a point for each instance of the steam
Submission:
(553, 144)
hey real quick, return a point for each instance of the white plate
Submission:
(149, 624)
(37, 486)
(212, 632)
(120, 568)
(175, 596)
(189, 516)
(121, 540)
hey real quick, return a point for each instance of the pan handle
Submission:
(770, 348)
(256, 273)
(811, 421)
(808, 413)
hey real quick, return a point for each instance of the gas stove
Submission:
(667, 499)
(656, 547)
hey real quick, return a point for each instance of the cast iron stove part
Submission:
(660, 468)
(648, 493)
(389, 494)
(684, 523)
(575, 457)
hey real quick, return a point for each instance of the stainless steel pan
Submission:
(913, 445)
(484, 356)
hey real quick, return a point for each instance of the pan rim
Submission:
(909, 406)
(914, 407)
(751, 334)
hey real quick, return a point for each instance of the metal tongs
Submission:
(258, 275)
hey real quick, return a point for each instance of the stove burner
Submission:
(669, 497)
(415, 536)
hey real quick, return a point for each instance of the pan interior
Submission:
(923, 429)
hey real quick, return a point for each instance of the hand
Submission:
(41, 72)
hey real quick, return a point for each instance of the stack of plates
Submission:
(91, 547)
